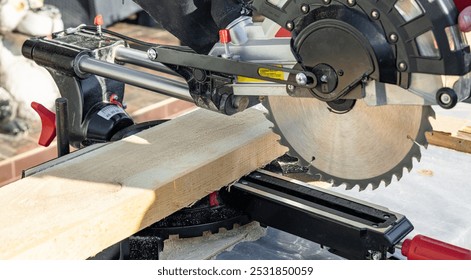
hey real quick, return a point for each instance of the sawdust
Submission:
(209, 246)
(425, 172)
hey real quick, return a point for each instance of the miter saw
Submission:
(347, 84)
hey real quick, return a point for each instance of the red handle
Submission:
(48, 123)
(426, 248)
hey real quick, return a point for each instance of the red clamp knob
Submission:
(426, 248)
(48, 123)
(98, 20)
(224, 36)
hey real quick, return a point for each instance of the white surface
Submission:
(435, 196)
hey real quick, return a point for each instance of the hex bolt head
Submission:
(375, 14)
(305, 8)
(152, 54)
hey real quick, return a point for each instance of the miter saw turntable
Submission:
(347, 84)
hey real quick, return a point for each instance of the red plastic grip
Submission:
(48, 123)
(461, 4)
(426, 248)
(98, 20)
(213, 199)
(224, 36)
(283, 33)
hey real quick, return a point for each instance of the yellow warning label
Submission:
(273, 74)
(264, 72)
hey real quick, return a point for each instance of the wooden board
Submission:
(75, 209)
(465, 133)
(450, 132)
(446, 140)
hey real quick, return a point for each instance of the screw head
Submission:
(305, 8)
(375, 14)
(402, 66)
(324, 78)
(327, 2)
(290, 88)
(351, 2)
(393, 37)
(290, 25)
(301, 79)
(152, 53)
(376, 255)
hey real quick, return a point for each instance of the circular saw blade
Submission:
(367, 145)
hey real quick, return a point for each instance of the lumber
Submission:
(446, 140)
(75, 209)
(465, 133)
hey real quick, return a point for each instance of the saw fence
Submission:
(77, 208)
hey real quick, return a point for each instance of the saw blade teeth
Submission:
(418, 157)
(386, 178)
(387, 181)
(399, 176)
(349, 186)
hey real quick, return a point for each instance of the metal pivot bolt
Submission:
(305, 8)
(375, 14)
(301, 79)
(290, 25)
(152, 54)
(324, 79)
